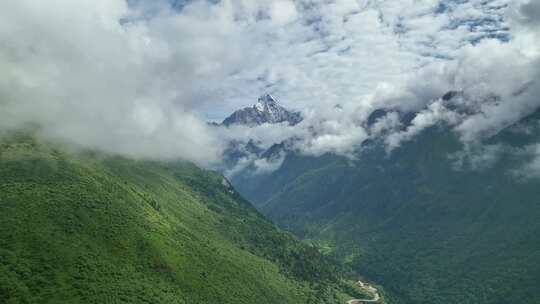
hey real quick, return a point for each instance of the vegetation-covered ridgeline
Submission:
(429, 228)
(89, 228)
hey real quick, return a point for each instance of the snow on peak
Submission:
(266, 110)
(265, 103)
(259, 106)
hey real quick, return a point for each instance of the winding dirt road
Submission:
(369, 288)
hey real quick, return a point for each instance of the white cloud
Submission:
(478, 157)
(532, 168)
(73, 68)
(283, 11)
(434, 114)
(144, 86)
(265, 165)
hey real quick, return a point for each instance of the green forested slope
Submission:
(413, 223)
(90, 228)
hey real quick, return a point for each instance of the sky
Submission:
(142, 78)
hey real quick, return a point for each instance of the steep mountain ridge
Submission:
(433, 222)
(92, 228)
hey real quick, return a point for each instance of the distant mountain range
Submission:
(431, 222)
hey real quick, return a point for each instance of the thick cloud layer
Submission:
(502, 65)
(488, 51)
(85, 77)
(143, 79)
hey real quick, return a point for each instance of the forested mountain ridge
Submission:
(90, 228)
(434, 221)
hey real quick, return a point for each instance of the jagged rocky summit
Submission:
(266, 110)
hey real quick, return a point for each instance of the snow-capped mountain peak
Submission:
(266, 110)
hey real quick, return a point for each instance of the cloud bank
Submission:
(83, 76)
(142, 78)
